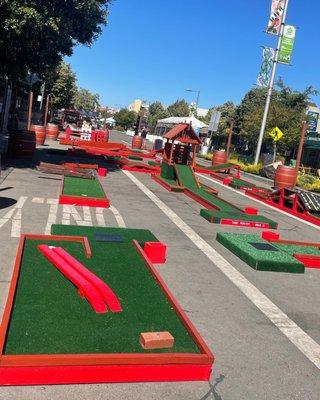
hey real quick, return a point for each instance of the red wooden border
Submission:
(166, 185)
(83, 201)
(86, 368)
(245, 224)
(103, 374)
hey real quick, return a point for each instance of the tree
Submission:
(287, 111)
(179, 108)
(36, 34)
(64, 87)
(156, 111)
(125, 118)
(85, 100)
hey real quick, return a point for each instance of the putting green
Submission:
(83, 187)
(49, 317)
(267, 258)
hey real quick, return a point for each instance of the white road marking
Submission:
(260, 202)
(118, 217)
(38, 200)
(99, 216)
(71, 211)
(52, 217)
(289, 328)
(15, 214)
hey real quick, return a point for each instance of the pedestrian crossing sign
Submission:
(276, 134)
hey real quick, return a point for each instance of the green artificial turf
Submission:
(153, 163)
(215, 216)
(167, 171)
(186, 176)
(261, 260)
(297, 249)
(49, 317)
(135, 158)
(239, 183)
(216, 167)
(83, 187)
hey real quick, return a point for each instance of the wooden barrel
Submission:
(219, 157)
(136, 142)
(52, 131)
(285, 177)
(40, 132)
(22, 144)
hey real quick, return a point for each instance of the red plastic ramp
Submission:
(85, 288)
(105, 291)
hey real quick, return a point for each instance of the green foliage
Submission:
(179, 108)
(228, 111)
(85, 100)
(36, 34)
(118, 128)
(64, 87)
(125, 118)
(156, 111)
(308, 182)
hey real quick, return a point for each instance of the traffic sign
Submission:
(276, 134)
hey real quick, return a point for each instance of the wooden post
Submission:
(171, 152)
(229, 137)
(300, 148)
(46, 110)
(30, 109)
(193, 155)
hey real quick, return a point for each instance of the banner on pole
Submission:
(286, 46)
(266, 67)
(276, 16)
(214, 121)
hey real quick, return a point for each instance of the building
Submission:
(137, 105)
(311, 149)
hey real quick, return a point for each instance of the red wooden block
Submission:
(308, 260)
(251, 211)
(267, 235)
(85, 288)
(102, 171)
(227, 181)
(156, 340)
(156, 252)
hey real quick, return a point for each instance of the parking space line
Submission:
(297, 336)
(118, 217)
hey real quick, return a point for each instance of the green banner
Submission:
(286, 46)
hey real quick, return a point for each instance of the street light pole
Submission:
(270, 87)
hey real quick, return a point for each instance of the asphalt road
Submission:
(263, 327)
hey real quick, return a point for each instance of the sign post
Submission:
(276, 135)
(272, 79)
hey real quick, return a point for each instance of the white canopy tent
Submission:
(195, 123)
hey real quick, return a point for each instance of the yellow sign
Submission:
(276, 134)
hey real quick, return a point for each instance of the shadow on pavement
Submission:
(6, 202)
(212, 391)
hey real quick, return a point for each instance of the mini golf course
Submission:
(83, 192)
(218, 210)
(269, 253)
(50, 334)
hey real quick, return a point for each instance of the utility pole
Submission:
(270, 87)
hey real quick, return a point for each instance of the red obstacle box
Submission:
(156, 252)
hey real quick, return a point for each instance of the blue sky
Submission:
(155, 49)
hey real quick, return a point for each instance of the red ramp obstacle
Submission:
(97, 292)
